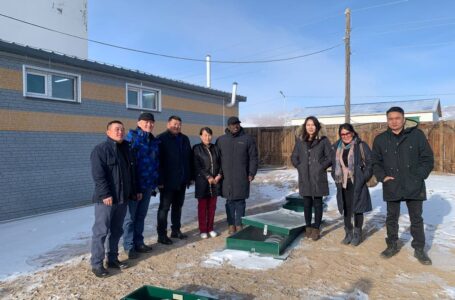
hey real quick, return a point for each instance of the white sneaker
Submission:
(213, 234)
(204, 235)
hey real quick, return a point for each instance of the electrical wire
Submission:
(173, 56)
(375, 96)
(379, 5)
(363, 36)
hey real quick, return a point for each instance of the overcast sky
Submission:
(401, 50)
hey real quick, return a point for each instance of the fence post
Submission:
(441, 146)
(258, 138)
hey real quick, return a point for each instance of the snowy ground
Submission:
(33, 244)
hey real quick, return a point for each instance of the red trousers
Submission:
(206, 213)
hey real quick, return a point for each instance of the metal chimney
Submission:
(234, 95)
(207, 60)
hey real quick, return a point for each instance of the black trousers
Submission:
(348, 203)
(170, 200)
(415, 215)
(308, 204)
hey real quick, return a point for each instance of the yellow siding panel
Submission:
(11, 120)
(103, 92)
(10, 79)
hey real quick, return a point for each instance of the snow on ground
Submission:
(241, 260)
(39, 242)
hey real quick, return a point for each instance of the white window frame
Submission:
(140, 89)
(47, 73)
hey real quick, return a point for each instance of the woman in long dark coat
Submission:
(207, 167)
(312, 157)
(351, 169)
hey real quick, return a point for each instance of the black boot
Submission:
(357, 238)
(348, 237)
(163, 239)
(422, 257)
(391, 250)
(177, 234)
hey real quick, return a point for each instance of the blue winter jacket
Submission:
(145, 149)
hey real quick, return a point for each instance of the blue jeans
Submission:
(133, 226)
(108, 224)
(235, 210)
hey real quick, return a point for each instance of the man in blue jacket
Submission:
(176, 173)
(113, 172)
(145, 149)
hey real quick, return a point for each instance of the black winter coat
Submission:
(113, 175)
(207, 162)
(363, 171)
(176, 161)
(407, 157)
(239, 159)
(312, 163)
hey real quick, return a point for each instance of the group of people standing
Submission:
(401, 159)
(127, 171)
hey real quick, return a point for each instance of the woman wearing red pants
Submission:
(207, 167)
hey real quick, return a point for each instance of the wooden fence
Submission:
(275, 144)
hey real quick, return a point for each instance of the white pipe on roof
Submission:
(207, 63)
(234, 95)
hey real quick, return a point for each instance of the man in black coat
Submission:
(239, 162)
(176, 173)
(402, 160)
(113, 172)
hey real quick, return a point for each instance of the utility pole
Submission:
(347, 91)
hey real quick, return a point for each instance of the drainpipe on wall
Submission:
(207, 64)
(234, 95)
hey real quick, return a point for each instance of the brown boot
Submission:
(231, 229)
(308, 231)
(315, 234)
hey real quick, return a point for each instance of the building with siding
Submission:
(54, 110)
(426, 110)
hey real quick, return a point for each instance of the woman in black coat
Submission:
(207, 167)
(312, 157)
(351, 169)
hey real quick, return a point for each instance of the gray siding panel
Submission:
(44, 172)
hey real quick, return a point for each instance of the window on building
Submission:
(143, 98)
(51, 84)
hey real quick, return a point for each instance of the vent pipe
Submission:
(207, 64)
(234, 95)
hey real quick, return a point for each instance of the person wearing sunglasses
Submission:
(351, 169)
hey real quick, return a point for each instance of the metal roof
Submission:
(376, 108)
(61, 58)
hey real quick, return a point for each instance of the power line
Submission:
(375, 96)
(405, 23)
(407, 29)
(379, 5)
(173, 56)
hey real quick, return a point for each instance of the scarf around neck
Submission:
(343, 172)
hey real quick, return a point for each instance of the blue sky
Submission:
(401, 50)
